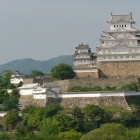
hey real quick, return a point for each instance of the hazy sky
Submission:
(43, 29)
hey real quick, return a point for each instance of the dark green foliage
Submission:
(66, 122)
(50, 110)
(20, 129)
(84, 89)
(94, 116)
(10, 119)
(79, 118)
(109, 88)
(35, 73)
(10, 103)
(3, 95)
(20, 84)
(62, 71)
(4, 137)
(131, 86)
(5, 80)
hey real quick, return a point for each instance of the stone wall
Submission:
(91, 82)
(122, 101)
(119, 68)
(27, 100)
(64, 84)
(101, 101)
(87, 75)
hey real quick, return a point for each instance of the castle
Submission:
(117, 55)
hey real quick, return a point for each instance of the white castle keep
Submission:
(118, 53)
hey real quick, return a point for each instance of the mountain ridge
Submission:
(26, 65)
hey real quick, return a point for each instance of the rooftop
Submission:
(121, 18)
(82, 46)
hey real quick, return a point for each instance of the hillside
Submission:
(27, 65)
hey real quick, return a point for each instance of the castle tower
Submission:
(119, 51)
(85, 62)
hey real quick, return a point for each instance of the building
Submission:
(119, 50)
(17, 77)
(85, 62)
(118, 53)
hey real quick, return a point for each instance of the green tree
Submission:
(3, 95)
(4, 137)
(10, 103)
(79, 118)
(10, 119)
(15, 93)
(35, 73)
(31, 117)
(66, 122)
(50, 110)
(70, 135)
(108, 132)
(49, 127)
(93, 117)
(62, 71)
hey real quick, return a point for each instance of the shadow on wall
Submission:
(101, 74)
(133, 102)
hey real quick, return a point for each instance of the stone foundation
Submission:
(119, 68)
(82, 66)
(121, 101)
(87, 75)
(27, 100)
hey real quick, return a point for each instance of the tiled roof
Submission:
(116, 18)
(82, 46)
(29, 85)
(51, 84)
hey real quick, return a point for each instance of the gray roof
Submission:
(82, 46)
(51, 85)
(121, 18)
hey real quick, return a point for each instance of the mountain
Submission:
(27, 65)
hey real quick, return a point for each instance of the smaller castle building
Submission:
(85, 62)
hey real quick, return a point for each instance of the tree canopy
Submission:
(62, 71)
(35, 73)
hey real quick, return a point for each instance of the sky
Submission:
(44, 29)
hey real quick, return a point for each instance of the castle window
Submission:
(109, 57)
(127, 56)
(136, 50)
(122, 25)
(130, 50)
(121, 57)
(114, 25)
(125, 25)
(115, 57)
(104, 57)
(133, 56)
(117, 25)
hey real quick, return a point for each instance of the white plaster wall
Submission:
(90, 94)
(26, 91)
(16, 80)
(39, 96)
